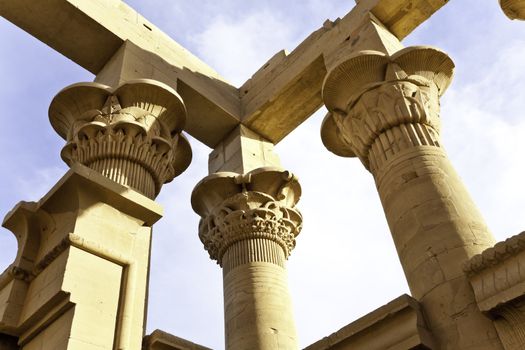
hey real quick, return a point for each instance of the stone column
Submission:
(79, 280)
(513, 9)
(249, 224)
(385, 110)
(130, 134)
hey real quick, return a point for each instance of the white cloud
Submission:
(237, 49)
(484, 130)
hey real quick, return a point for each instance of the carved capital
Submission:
(131, 134)
(258, 206)
(379, 104)
(513, 9)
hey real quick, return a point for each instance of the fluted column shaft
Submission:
(248, 225)
(385, 110)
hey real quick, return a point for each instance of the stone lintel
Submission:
(90, 32)
(278, 98)
(159, 340)
(402, 17)
(287, 90)
(242, 151)
(290, 84)
(213, 107)
(497, 275)
(396, 325)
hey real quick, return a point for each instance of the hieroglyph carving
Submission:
(130, 134)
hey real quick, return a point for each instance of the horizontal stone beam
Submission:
(287, 89)
(278, 97)
(400, 324)
(92, 32)
(159, 340)
(213, 107)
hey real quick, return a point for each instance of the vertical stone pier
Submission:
(80, 277)
(249, 224)
(385, 110)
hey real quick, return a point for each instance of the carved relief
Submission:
(131, 135)
(249, 215)
(497, 278)
(379, 105)
(259, 207)
(408, 114)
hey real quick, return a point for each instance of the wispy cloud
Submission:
(236, 49)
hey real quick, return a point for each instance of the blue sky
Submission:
(345, 263)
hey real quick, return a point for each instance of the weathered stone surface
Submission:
(159, 340)
(384, 109)
(241, 152)
(131, 134)
(273, 102)
(249, 224)
(398, 325)
(80, 276)
(77, 245)
(497, 276)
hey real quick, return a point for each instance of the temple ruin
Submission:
(79, 280)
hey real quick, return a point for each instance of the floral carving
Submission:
(132, 139)
(387, 106)
(257, 205)
(371, 94)
(249, 215)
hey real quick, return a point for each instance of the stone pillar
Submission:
(513, 9)
(385, 110)
(249, 224)
(79, 280)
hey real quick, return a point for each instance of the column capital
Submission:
(513, 9)
(131, 133)
(370, 93)
(257, 205)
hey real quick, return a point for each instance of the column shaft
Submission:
(257, 305)
(385, 110)
(249, 226)
(436, 228)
